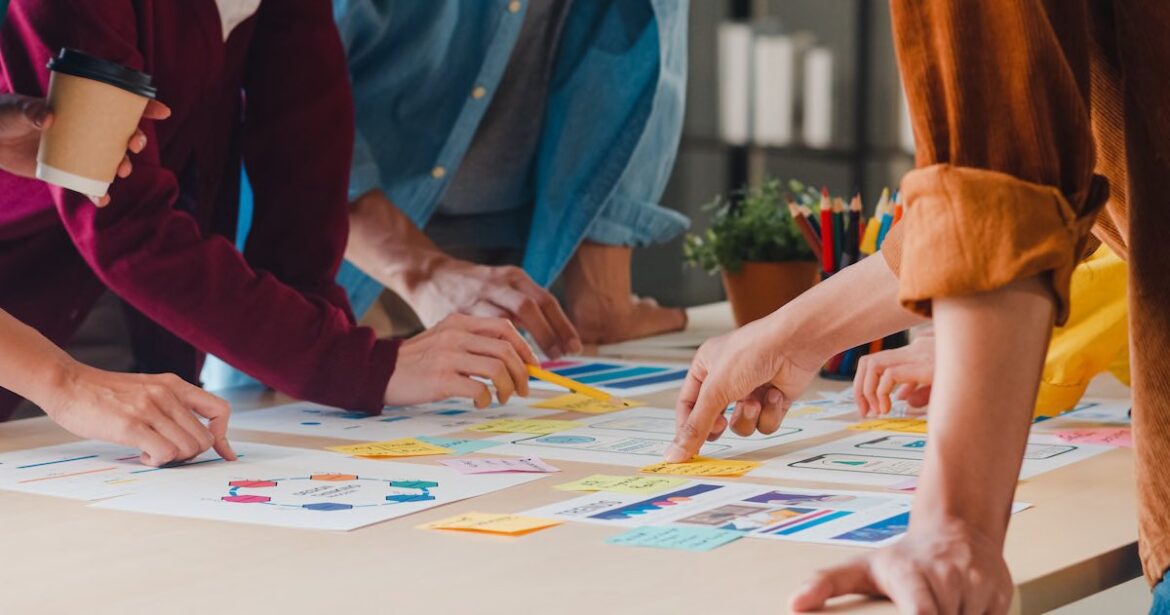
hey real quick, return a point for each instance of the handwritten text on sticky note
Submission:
(703, 466)
(575, 402)
(402, 447)
(899, 425)
(623, 484)
(538, 427)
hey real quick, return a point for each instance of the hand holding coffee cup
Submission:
(96, 107)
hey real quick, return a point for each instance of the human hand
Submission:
(442, 361)
(747, 366)
(22, 118)
(599, 300)
(460, 287)
(945, 569)
(153, 413)
(910, 369)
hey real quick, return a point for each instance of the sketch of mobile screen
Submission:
(611, 444)
(1046, 451)
(916, 444)
(897, 442)
(666, 426)
(866, 464)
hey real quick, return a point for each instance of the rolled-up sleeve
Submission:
(1004, 189)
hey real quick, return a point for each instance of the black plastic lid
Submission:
(81, 64)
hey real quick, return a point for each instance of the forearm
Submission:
(853, 307)
(30, 365)
(989, 355)
(386, 245)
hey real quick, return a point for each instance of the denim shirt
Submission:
(611, 128)
(424, 73)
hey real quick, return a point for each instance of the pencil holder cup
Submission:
(843, 366)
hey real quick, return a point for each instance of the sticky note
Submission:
(623, 484)
(491, 523)
(575, 402)
(490, 466)
(899, 425)
(684, 538)
(459, 446)
(539, 427)
(402, 447)
(1109, 436)
(703, 466)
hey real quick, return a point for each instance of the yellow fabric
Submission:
(1095, 338)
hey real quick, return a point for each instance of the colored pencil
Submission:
(812, 220)
(828, 251)
(814, 242)
(569, 383)
(854, 246)
(840, 237)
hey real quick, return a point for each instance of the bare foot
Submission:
(599, 302)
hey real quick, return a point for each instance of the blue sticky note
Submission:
(460, 447)
(684, 538)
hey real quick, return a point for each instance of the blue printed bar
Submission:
(638, 382)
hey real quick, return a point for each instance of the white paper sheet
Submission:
(310, 490)
(621, 378)
(1106, 411)
(433, 419)
(91, 470)
(850, 518)
(640, 436)
(886, 459)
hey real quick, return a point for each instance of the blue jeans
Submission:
(1161, 598)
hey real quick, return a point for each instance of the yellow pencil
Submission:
(572, 385)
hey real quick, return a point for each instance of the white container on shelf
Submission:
(735, 81)
(817, 124)
(775, 80)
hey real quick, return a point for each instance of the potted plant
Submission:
(756, 245)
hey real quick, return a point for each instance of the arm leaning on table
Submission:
(155, 413)
(998, 212)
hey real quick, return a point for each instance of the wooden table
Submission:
(62, 557)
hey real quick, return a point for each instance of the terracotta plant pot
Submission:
(758, 289)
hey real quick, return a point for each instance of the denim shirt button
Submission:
(514, 6)
(478, 92)
(438, 172)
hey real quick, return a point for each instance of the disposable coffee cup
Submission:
(96, 107)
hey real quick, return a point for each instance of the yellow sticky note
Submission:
(703, 466)
(623, 484)
(402, 447)
(900, 425)
(795, 413)
(491, 523)
(538, 427)
(576, 402)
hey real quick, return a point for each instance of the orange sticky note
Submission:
(491, 523)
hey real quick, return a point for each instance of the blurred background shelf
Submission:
(866, 114)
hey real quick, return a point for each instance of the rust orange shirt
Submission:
(1039, 122)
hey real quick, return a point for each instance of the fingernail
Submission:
(675, 454)
(774, 396)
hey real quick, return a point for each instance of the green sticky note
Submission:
(458, 446)
(684, 538)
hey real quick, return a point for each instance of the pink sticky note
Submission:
(1109, 436)
(474, 465)
(906, 485)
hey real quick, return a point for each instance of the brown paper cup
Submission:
(93, 121)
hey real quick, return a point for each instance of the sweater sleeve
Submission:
(284, 321)
(999, 98)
